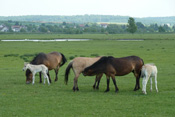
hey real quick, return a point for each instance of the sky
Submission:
(132, 8)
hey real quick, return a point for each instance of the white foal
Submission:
(35, 69)
(148, 71)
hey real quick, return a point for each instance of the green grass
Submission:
(58, 99)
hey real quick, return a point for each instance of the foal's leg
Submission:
(33, 81)
(151, 84)
(46, 77)
(144, 83)
(156, 82)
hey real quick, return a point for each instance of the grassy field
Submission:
(58, 99)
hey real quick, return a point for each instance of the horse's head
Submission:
(88, 72)
(97, 68)
(28, 76)
(25, 66)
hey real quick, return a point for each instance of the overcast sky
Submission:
(133, 8)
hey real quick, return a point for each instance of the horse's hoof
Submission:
(97, 88)
(107, 90)
(56, 80)
(93, 86)
(136, 89)
(77, 89)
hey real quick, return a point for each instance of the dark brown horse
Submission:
(53, 60)
(116, 67)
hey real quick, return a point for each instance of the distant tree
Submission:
(161, 29)
(173, 28)
(140, 25)
(43, 29)
(17, 23)
(167, 28)
(22, 30)
(131, 27)
(64, 23)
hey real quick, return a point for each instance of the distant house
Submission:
(4, 28)
(104, 25)
(16, 28)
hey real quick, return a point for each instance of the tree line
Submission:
(75, 28)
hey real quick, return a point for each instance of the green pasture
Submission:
(58, 99)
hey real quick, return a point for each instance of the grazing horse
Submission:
(78, 64)
(149, 71)
(116, 67)
(53, 60)
(35, 69)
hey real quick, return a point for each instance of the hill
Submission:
(90, 18)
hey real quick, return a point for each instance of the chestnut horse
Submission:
(116, 67)
(78, 64)
(53, 60)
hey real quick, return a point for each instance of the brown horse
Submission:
(116, 67)
(53, 60)
(78, 64)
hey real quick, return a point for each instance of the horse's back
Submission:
(151, 68)
(80, 63)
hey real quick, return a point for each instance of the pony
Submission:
(78, 64)
(35, 69)
(53, 60)
(112, 67)
(148, 71)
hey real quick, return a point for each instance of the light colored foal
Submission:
(35, 69)
(148, 71)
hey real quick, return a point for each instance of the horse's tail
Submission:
(64, 60)
(67, 72)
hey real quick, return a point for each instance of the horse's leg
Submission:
(137, 86)
(46, 77)
(56, 74)
(115, 84)
(151, 84)
(156, 82)
(40, 77)
(49, 76)
(95, 82)
(144, 82)
(76, 83)
(33, 81)
(99, 78)
(108, 80)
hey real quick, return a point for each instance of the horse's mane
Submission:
(103, 60)
(39, 59)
